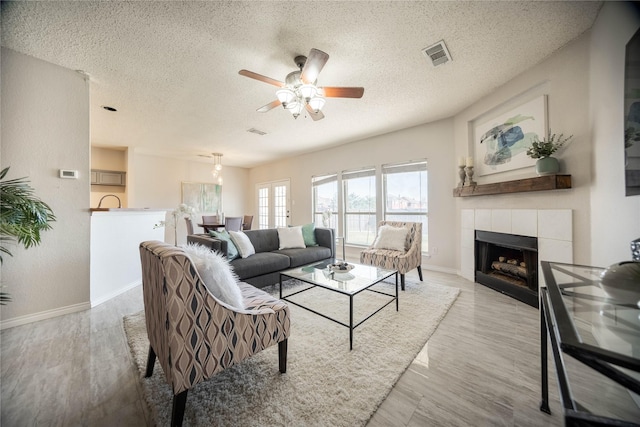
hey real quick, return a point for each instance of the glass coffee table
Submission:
(351, 283)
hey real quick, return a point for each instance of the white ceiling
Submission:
(171, 68)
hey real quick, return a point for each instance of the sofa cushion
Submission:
(390, 237)
(265, 240)
(232, 250)
(304, 256)
(309, 234)
(260, 263)
(290, 238)
(242, 242)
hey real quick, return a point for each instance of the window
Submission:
(359, 206)
(325, 201)
(263, 207)
(393, 192)
(405, 194)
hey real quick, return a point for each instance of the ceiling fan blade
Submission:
(342, 92)
(313, 66)
(260, 77)
(269, 106)
(315, 116)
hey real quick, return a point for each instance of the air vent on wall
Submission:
(437, 53)
(256, 131)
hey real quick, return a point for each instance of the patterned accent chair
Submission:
(194, 335)
(402, 261)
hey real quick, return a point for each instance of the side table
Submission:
(582, 321)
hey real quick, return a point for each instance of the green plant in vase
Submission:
(543, 150)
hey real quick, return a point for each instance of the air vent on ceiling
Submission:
(437, 53)
(256, 131)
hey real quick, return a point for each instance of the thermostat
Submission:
(66, 173)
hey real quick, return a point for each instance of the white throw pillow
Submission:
(242, 242)
(390, 237)
(291, 237)
(216, 273)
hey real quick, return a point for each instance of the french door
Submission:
(274, 204)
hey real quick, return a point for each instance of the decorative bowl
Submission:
(621, 281)
(341, 268)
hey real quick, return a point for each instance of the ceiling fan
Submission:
(299, 91)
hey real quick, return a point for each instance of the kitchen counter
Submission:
(127, 210)
(115, 255)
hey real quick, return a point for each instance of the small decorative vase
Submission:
(547, 166)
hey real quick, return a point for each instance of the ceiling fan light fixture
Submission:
(308, 91)
(293, 104)
(297, 109)
(299, 91)
(317, 103)
(285, 96)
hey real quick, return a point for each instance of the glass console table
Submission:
(602, 337)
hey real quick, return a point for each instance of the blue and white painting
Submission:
(501, 142)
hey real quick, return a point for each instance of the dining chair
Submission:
(246, 222)
(210, 219)
(233, 223)
(189, 226)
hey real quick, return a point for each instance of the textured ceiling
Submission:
(171, 68)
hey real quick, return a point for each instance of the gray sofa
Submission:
(263, 268)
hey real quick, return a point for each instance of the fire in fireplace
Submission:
(508, 263)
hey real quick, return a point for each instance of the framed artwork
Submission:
(501, 142)
(632, 117)
(202, 196)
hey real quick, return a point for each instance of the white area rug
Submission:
(325, 384)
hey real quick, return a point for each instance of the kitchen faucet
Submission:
(110, 195)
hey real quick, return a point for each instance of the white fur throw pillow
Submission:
(242, 242)
(216, 273)
(291, 237)
(390, 237)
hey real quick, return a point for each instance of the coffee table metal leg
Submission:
(351, 322)
(397, 291)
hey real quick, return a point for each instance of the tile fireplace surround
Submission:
(552, 227)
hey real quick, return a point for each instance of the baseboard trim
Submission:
(43, 315)
(439, 269)
(116, 293)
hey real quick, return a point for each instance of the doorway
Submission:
(274, 204)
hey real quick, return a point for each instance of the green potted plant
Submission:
(22, 217)
(543, 149)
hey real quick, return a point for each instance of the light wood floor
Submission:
(481, 367)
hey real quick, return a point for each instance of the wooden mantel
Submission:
(540, 183)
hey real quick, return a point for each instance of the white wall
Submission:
(433, 141)
(615, 219)
(564, 78)
(45, 127)
(155, 182)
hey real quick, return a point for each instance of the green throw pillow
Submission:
(232, 251)
(309, 234)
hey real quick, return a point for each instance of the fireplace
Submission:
(508, 263)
